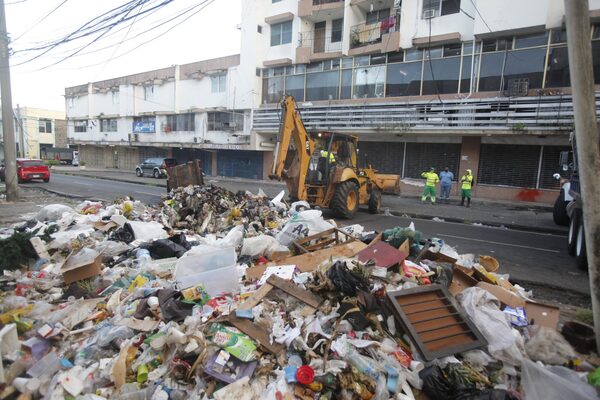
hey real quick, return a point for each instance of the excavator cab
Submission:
(331, 151)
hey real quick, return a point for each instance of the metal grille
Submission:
(422, 156)
(243, 164)
(509, 165)
(384, 157)
(550, 166)
(93, 156)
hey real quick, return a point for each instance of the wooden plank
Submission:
(259, 334)
(256, 297)
(294, 290)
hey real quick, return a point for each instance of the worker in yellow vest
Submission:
(467, 184)
(431, 178)
(329, 156)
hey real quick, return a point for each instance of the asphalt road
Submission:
(527, 256)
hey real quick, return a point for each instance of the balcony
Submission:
(313, 8)
(316, 46)
(375, 37)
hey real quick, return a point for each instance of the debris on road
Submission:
(214, 294)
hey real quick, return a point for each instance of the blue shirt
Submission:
(446, 177)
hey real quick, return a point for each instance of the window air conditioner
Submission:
(428, 14)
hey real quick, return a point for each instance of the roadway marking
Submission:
(500, 243)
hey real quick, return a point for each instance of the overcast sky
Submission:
(211, 33)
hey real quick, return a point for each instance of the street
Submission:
(539, 258)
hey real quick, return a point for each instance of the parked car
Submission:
(156, 167)
(27, 170)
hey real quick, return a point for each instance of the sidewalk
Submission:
(514, 215)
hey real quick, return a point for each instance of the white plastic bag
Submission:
(53, 212)
(484, 310)
(148, 230)
(538, 383)
(549, 347)
(303, 224)
(262, 245)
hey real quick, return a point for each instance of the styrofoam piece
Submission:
(9, 343)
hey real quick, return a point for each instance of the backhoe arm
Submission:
(292, 129)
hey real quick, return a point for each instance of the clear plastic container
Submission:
(214, 267)
(47, 366)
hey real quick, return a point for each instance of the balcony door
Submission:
(319, 44)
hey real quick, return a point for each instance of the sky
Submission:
(211, 32)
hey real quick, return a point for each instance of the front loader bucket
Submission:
(389, 183)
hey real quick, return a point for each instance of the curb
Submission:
(526, 228)
(68, 195)
(106, 178)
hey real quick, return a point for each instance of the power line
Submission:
(481, 16)
(40, 20)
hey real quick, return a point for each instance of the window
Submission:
(218, 83)
(272, 89)
(294, 86)
(81, 126)
(559, 36)
(281, 33)
(558, 68)
(45, 126)
(525, 64)
(148, 92)
(337, 26)
(465, 75)
(225, 121)
(596, 61)
(115, 96)
(404, 79)
(535, 39)
(490, 73)
(375, 16)
(346, 91)
(275, 1)
(441, 76)
(452, 50)
(369, 82)
(108, 125)
(322, 86)
(435, 8)
(180, 122)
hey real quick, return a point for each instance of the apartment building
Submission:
(191, 111)
(478, 84)
(37, 129)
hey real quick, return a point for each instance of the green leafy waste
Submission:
(16, 250)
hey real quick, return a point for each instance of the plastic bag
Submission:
(550, 347)
(303, 224)
(53, 212)
(110, 249)
(538, 383)
(483, 308)
(262, 245)
(148, 230)
(164, 248)
(396, 236)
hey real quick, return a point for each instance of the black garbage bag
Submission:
(171, 306)
(435, 384)
(181, 240)
(163, 248)
(353, 314)
(346, 281)
(123, 234)
(487, 394)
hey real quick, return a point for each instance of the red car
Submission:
(28, 169)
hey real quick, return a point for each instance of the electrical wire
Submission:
(481, 16)
(40, 20)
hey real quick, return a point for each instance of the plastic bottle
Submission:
(142, 257)
(364, 364)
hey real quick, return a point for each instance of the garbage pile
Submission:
(220, 295)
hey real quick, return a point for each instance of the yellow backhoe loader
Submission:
(322, 168)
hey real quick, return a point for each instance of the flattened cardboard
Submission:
(309, 262)
(383, 254)
(144, 325)
(105, 226)
(258, 334)
(506, 297)
(542, 314)
(73, 272)
(460, 281)
(293, 290)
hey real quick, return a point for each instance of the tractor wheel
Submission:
(580, 249)
(375, 201)
(345, 200)
(559, 212)
(573, 231)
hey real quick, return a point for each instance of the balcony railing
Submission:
(365, 33)
(319, 42)
(321, 2)
(517, 115)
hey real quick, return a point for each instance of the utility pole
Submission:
(8, 126)
(587, 137)
(19, 126)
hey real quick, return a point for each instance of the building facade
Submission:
(476, 84)
(37, 129)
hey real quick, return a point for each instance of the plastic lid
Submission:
(305, 375)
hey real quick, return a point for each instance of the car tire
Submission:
(156, 174)
(580, 249)
(573, 231)
(559, 212)
(138, 173)
(47, 180)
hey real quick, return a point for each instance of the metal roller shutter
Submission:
(384, 157)
(240, 163)
(422, 156)
(151, 152)
(184, 155)
(550, 166)
(509, 165)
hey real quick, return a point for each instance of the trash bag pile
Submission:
(221, 295)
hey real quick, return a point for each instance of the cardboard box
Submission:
(506, 297)
(80, 265)
(460, 281)
(542, 314)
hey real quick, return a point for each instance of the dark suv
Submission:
(156, 167)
